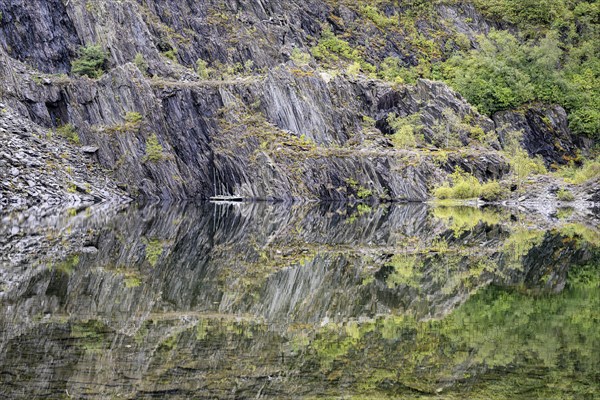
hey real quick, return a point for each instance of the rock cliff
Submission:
(264, 125)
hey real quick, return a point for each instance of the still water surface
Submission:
(271, 301)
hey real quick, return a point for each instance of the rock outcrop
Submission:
(267, 126)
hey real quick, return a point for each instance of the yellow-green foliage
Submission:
(363, 192)
(300, 58)
(91, 62)
(572, 174)
(391, 70)
(406, 130)
(133, 118)
(522, 165)
(491, 191)
(461, 219)
(565, 195)
(202, 69)
(154, 249)
(377, 17)
(518, 244)
(332, 49)
(407, 271)
(589, 235)
(171, 54)
(141, 63)
(68, 132)
(154, 150)
(466, 186)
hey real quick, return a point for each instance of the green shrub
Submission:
(378, 18)
(91, 62)
(590, 169)
(353, 69)
(154, 150)
(171, 54)
(363, 192)
(465, 186)
(332, 49)
(522, 166)
(565, 195)
(141, 63)
(443, 193)
(466, 190)
(202, 69)
(68, 132)
(491, 191)
(391, 70)
(133, 118)
(406, 130)
(300, 58)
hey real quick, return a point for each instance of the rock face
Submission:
(545, 132)
(281, 130)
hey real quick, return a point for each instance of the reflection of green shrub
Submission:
(133, 118)
(565, 195)
(91, 62)
(154, 249)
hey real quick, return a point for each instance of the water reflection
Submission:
(263, 300)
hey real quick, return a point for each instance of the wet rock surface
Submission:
(146, 297)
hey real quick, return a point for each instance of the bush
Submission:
(171, 54)
(391, 70)
(68, 132)
(141, 63)
(522, 166)
(491, 191)
(331, 49)
(300, 58)
(91, 62)
(443, 193)
(154, 150)
(590, 169)
(202, 69)
(565, 195)
(466, 189)
(466, 186)
(133, 118)
(353, 69)
(405, 130)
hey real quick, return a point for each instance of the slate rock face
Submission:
(279, 131)
(545, 132)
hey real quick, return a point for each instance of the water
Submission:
(271, 301)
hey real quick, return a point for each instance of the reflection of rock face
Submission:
(285, 266)
(270, 261)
